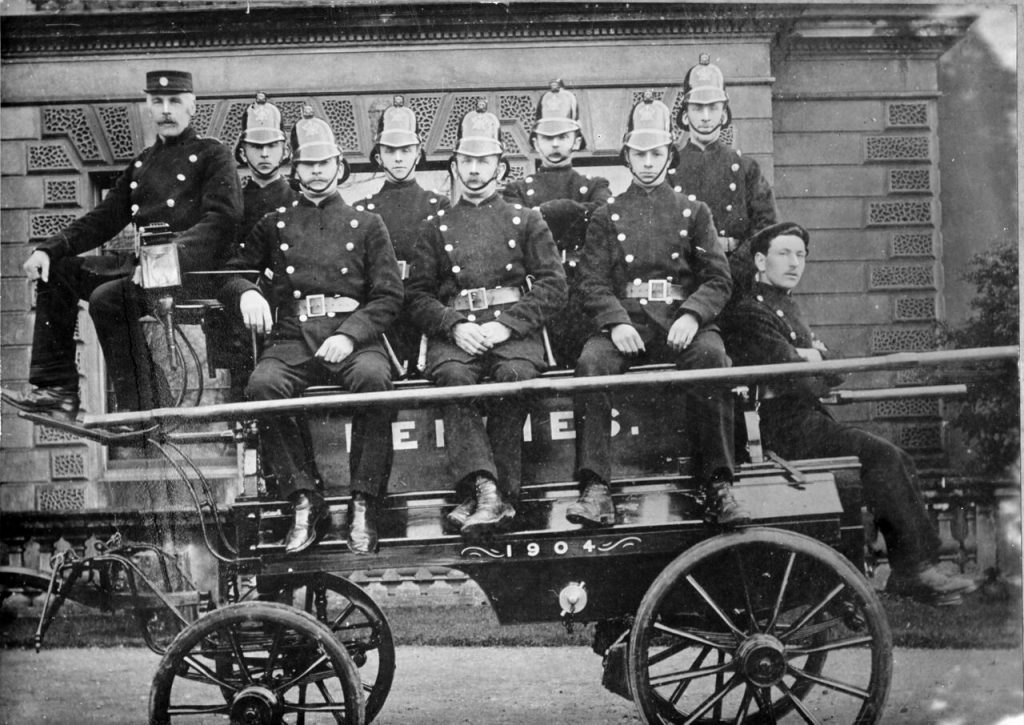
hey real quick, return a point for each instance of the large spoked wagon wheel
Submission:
(760, 626)
(356, 621)
(256, 663)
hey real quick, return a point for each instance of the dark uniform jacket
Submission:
(495, 244)
(764, 327)
(186, 182)
(731, 184)
(640, 236)
(404, 207)
(331, 250)
(566, 199)
(259, 201)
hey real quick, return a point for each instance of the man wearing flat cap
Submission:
(469, 294)
(184, 181)
(765, 326)
(403, 205)
(566, 199)
(654, 280)
(334, 289)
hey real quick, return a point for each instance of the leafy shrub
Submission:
(991, 417)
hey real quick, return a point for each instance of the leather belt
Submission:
(655, 290)
(320, 306)
(481, 299)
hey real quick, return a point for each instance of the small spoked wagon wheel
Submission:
(356, 621)
(256, 663)
(760, 626)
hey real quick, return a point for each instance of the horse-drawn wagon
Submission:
(772, 622)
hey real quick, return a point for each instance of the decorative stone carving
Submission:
(41, 226)
(919, 437)
(913, 309)
(906, 114)
(901, 339)
(72, 121)
(897, 148)
(902, 276)
(461, 105)
(906, 408)
(60, 498)
(47, 436)
(117, 129)
(342, 117)
(60, 192)
(888, 213)
(50, 157)
(913, 244)
(67, 465)
(910, 181)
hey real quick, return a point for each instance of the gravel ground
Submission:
(494, 686)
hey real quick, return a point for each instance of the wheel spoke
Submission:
(830, 683)
(669, 652)
(746, 590)
(236, 649)
(219, 709)
(301, 720)
(681, 687)
(741, 711)
(313, 667)
(777, 609)
(691, 674)
(763, 697)
(812, 612)
(714, 607)
(275, 648)
(338, 717)
(717, 715)
(695, 638)
(799, 705)
(206, 674)
(713, 700)
(830, 646)
(345, 614)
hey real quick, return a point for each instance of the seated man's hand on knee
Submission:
(335, 349)
(471, 338)
(627, 340)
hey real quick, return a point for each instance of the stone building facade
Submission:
(838, 103)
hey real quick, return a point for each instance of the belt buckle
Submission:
(316, 305)
(657, 290)
(403, 269)
(477, 299)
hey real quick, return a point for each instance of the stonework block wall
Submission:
(856, 146)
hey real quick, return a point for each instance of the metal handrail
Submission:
(547, 386)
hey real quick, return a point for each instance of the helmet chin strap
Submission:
(462, 181)
(306, 187)
(664, 167)
(396, 179)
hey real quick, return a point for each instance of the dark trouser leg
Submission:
(53, 337)
(285, 447)
(709, 409)
(116, 308)
(593, 411)
(505, 426)
(465, 436)
(368, 371)
(888, 475)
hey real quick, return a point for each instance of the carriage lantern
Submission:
(158, 257)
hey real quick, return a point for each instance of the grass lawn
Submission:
(978, 624)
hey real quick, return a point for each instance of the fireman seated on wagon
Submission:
(766, 326)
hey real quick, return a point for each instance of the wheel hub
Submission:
(256, 706)
(762, 660)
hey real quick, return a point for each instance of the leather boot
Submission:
(492, 511)
(310, 512)
(458, 515)
(722, 506)
(362, 524)
(58, 399)
(594, 508)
